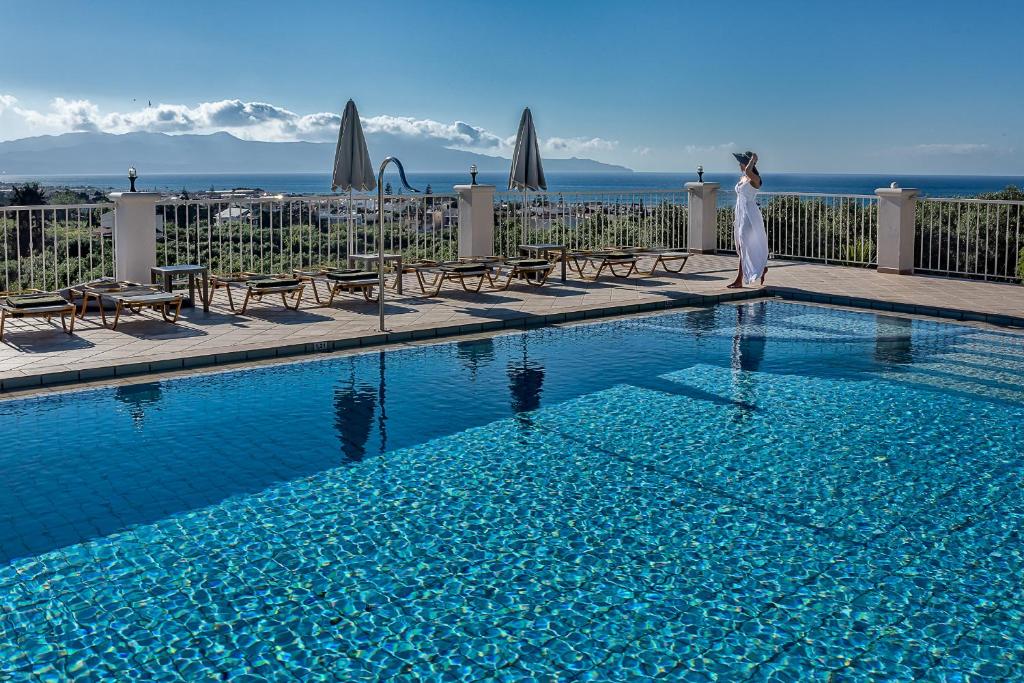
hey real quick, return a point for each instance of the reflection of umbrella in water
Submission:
(525, 384)
(475, 354)
(137, 397)
(354, 407)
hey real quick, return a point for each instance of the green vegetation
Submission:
(49, 247)
(280, 237)
(836, 230)
(972, 238)
(583, 226)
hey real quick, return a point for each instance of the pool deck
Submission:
(35, 355)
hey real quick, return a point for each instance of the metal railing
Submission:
(278, 234)
(830, 228)
(51, 247)
(590, 220)
(974, 238)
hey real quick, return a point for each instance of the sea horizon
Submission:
(297, 183)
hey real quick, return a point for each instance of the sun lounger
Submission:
(129, 296)
(614, 260)
(257, 286)
(662, 258)
(36, 304)
(451, 271)
(533, 272)
(339, 280)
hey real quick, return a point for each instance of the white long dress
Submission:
(748, 229)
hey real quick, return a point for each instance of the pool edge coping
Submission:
(71, 379)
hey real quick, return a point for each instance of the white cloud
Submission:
(703, 149)
(642, 151)
(7, 102)
(459, 134)
(574, 146)
(265, 121)
(64, 115)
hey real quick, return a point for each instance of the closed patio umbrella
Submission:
(527, 170)
(352, 167)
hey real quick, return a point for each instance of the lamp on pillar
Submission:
(472, 174)
(132, 175)
(700, 173)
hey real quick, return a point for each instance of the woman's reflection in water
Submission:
(748, 349)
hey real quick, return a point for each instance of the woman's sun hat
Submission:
(743, 157)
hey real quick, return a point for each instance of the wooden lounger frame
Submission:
(663, 258)
(253, 293)
(441, 275)
(8, 311)
(335, 287)
(133, 298)
(535, 276)
(604, 261)
(130, 296)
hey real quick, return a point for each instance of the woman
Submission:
(748, 229)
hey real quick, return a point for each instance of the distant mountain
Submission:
(99, 153)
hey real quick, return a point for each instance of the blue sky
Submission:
(843, 86)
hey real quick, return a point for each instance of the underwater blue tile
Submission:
(831, 515)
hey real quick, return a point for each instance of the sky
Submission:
(928, 86)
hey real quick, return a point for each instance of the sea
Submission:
(320, 183)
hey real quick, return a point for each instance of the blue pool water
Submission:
(765, 491)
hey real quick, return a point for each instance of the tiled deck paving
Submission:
(34, 354)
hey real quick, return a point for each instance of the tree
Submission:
(66, 196)
(387, 188)
(29, 223)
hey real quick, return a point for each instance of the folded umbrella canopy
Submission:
(352, 167)
(527, 170)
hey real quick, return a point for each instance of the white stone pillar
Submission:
(702, 233)
(897, 208)
(134, 235)
(476, 220)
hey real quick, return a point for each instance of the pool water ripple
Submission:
(763, 492)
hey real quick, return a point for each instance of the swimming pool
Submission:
(760, 491)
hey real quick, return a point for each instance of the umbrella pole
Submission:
(351, 228)
(523, 235)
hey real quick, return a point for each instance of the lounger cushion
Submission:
(36, 300)
(617, 255)
(465, 268)
(350, 275)
(528, 262)
(265, 281)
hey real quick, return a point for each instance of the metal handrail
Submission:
(340, 198)
(40, 207)
(598, 192)
(972, 200)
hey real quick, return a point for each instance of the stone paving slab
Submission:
(36, 354)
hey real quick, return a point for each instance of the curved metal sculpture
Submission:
(380, 228)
